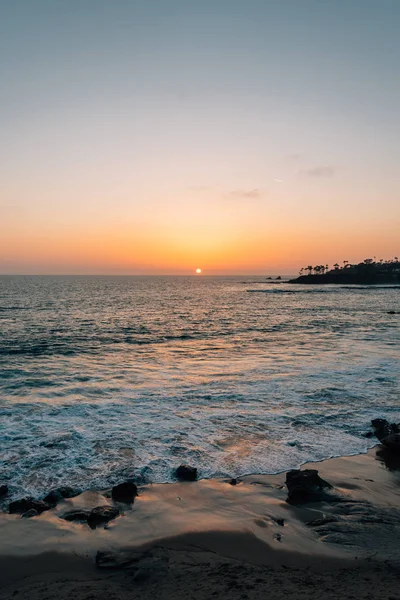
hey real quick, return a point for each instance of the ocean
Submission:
(107, 378)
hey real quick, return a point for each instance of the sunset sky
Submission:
(158, 136)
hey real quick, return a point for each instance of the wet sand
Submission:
(211, 539)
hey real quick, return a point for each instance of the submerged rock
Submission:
(3, 490)
(305, 486)
(387, 433)
(26, 504)
(30, 513)
(59, 494)
(124, 492)
(101, 515)
(77, 515)
(186, 473)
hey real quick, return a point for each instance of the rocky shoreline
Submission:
(329, 529)
(302, 485)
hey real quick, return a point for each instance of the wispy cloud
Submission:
(295, 157)
(321, 171)
(246, 194)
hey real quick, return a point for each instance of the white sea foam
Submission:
(107, 378)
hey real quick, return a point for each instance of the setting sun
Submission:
(198, 271)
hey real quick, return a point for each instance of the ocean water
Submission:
(104, 378)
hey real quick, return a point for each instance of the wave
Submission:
(7, 308)
(370, 288)
(329, 289)
(307, 291)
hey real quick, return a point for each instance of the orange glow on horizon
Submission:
(248, 239)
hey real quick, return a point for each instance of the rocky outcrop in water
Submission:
(24, 505)
(186, 473)
(387, 433)
(124, 492)
(55, 496)
(305, 486)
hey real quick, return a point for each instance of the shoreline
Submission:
(178, 530)
(142, 482)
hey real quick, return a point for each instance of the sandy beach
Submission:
(209, 538)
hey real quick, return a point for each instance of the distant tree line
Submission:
(369, 271)
(368, 264)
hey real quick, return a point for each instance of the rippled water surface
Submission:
(108, 377)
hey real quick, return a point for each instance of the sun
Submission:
(198, 271)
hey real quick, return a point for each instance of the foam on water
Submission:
(107, 378)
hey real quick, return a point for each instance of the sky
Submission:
(161, 136)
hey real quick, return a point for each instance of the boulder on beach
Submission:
(55, 496)
(26, 504)
(186, 473)
(3, 490)
(124, 492)
(305, 486)
(95, 517)
(387, 433)
(101, 515)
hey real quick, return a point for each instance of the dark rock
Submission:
(139, 565)
(305, 486)
(124, 492)
(77, 515)
(387, 433)
(368, 434)
(30, 513)
(234, 481)
(392, 442)
(390, 459)
(25, 504)
(392, 312)
(55, 496)
(3, 490)
(101, 515)
(382, 428)
(280, 522)
(186, 473)
(117, 560)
